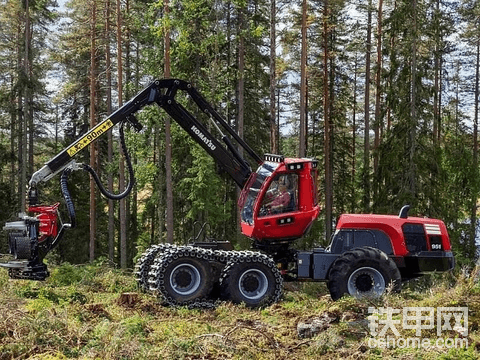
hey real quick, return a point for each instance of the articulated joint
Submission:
(45, 173)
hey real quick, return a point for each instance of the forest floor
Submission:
(79, 312)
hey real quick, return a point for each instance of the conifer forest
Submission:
(384, 93)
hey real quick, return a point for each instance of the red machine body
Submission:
(435, 231)
(48, 224)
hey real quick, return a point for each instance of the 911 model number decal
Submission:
(89, 137)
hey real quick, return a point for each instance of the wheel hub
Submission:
(185, 279)
(253, 284)
(366, 281)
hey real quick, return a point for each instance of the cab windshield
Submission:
(253, 189)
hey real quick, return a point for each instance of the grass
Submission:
(76, 313)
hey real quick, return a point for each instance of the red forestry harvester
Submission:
(278, 204)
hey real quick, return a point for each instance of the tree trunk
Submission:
(473, 216)
(328, 126)
(439, 117)
(378, 96)
(390, 78)
(111, 203)
(366, 154)
(121, 180)
(29, 127)
(13, 121)
(168, 139)
(413, 107)
(273, 46)
(23, 108)
(158, 225)
(303, 83)
(354, 136)
(93, 155)
(241, 80)
(240, 91)
(132, 201)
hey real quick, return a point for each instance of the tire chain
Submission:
(157, 280)
(142, 268)
(225, 258)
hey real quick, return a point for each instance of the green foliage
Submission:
(66, 274)
(204, 188)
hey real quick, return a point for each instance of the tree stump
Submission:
(128, 299)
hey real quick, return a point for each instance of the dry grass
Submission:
(76, 313)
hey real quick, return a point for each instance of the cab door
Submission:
(277, 208)
(280, 216)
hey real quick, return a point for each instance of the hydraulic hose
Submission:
(131, 178)
(67, 197)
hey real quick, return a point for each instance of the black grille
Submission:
(415, 238)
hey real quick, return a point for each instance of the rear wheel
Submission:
(363, 272)
(252, 279)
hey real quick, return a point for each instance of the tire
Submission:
(183, 276)
(363, 272)
(252, 279)
(142, 268)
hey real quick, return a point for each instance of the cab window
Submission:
(255, 184)
(281, 196)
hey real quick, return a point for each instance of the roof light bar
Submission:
(274, 158)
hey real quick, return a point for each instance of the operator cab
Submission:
(279, 201)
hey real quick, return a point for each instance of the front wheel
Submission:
(363, 272)
(252, 279)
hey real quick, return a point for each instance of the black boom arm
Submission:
(163, 92)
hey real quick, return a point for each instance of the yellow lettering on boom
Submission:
(89, 137)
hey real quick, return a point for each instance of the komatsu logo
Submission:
(206, 140)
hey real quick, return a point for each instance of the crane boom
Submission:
(163, 93)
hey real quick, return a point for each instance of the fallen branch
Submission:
(269, 337)
(291, 348)
(208, 335)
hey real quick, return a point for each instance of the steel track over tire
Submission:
(142, 268)
(183, 276)
(252, 279)
(363, 272)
